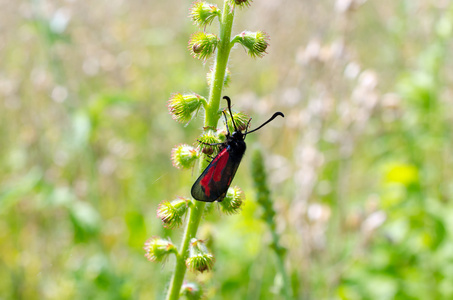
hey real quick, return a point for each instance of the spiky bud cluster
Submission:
(202, 45)
(232, 202)
(221, 133)
(255, 43)
(191, 291)
(241, 3)
(158, 249)
(199, 257)
(203, 13)
(207, 138)
(184, 156)
(182, 107)
(241, 120)
(172, 213)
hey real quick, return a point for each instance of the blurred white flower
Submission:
(373, 221)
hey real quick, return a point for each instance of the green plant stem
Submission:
(287, 290)
(223, 53)
(180, 269)
(211, 120)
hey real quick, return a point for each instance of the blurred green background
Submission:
(360, 169)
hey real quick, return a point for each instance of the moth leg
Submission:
(220, 199)
(208, 144)
(210, 158)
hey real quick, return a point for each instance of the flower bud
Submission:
(226, 80)
(182, 107)
(222, 134)
(203, 13)
(158, 249)
(199, 258)
(208, 138)
(184, 156)
(232, 202)
(202, 44)
(255, 43)
(191, 290)
(241, 120)
(242, 3)
(172, 213)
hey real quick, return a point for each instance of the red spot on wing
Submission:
(204, 182)
(215, 171)
(221, 163)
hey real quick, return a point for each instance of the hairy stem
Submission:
(211, 119)
(223, 53)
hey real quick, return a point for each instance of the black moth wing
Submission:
(213, 183)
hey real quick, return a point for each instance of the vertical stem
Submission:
(221, 62)
(287, 289)
(211, 119)
(180, 269)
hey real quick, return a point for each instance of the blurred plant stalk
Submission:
(264, 200)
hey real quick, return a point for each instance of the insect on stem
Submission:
(214, 181)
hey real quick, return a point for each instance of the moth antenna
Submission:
(273, 117)
(231, 114)
(226, 122)
(247, 128)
